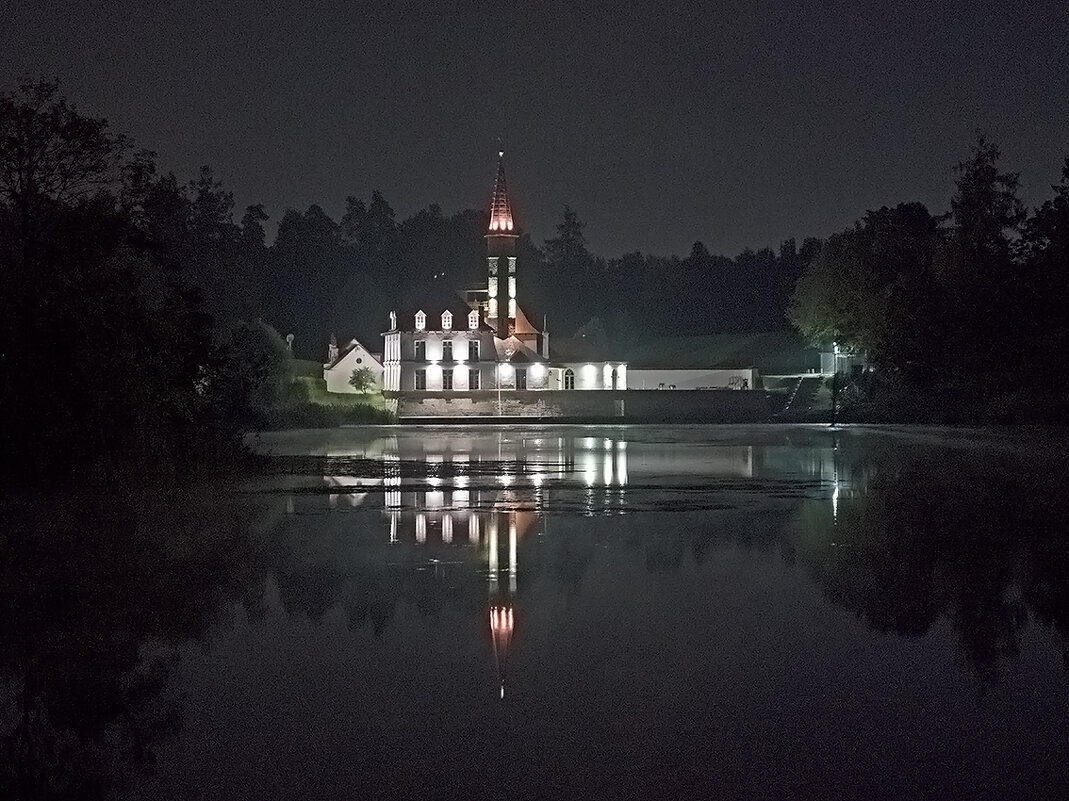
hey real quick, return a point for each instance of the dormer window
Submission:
(473, 319)
(447, 320)
(421, 321)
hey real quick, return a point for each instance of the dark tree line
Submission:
(139, 312)
(976, 297)
(108, 352)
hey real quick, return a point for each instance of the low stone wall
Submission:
(711, 406)
(698, 405)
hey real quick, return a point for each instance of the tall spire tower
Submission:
(501, 257)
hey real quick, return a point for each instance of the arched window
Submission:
(421, 321)
(569, 379)
(447, 320)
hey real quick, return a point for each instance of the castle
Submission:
(465, 350)
(458, 353)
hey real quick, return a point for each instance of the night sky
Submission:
(737, 123)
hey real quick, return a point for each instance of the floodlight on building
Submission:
(504, 370)
(538, 370)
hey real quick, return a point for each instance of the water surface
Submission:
(554, 612)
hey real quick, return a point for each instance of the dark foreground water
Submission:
(551, 612)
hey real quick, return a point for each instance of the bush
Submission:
(315, 415)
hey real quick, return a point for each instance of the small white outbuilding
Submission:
(343, 361)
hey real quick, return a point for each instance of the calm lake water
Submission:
(552, 612)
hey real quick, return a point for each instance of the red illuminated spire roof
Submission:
(500, 209)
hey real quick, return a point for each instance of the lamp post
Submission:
(499, 373)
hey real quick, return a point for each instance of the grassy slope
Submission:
(317, 393)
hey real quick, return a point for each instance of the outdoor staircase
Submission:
(800, 403)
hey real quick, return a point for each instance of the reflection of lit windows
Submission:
(473, 529)
(393, 526)
(421, 350)
(421, 528)
(590, 469)
(473, 379)
(421, 379)
(447, 529)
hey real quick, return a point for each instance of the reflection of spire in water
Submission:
(491, 553)
(501, 626)
(512, 554)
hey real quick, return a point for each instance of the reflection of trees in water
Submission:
(98, 592)
(957, 538)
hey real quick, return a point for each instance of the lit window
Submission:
(421, 321)
(447, 350)
(421, 379)
(447, 379)
(447, 320)
(473, 379)
(421, 350)
(569, 379)
(473, 319)
(473, 350)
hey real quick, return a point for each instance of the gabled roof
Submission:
(500, 208)
(523, 325)
(353, 345)
(513, 351)
(433, 299)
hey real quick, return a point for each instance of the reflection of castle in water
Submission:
(479, 498)
(473, 498)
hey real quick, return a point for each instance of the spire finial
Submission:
(500, 208)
